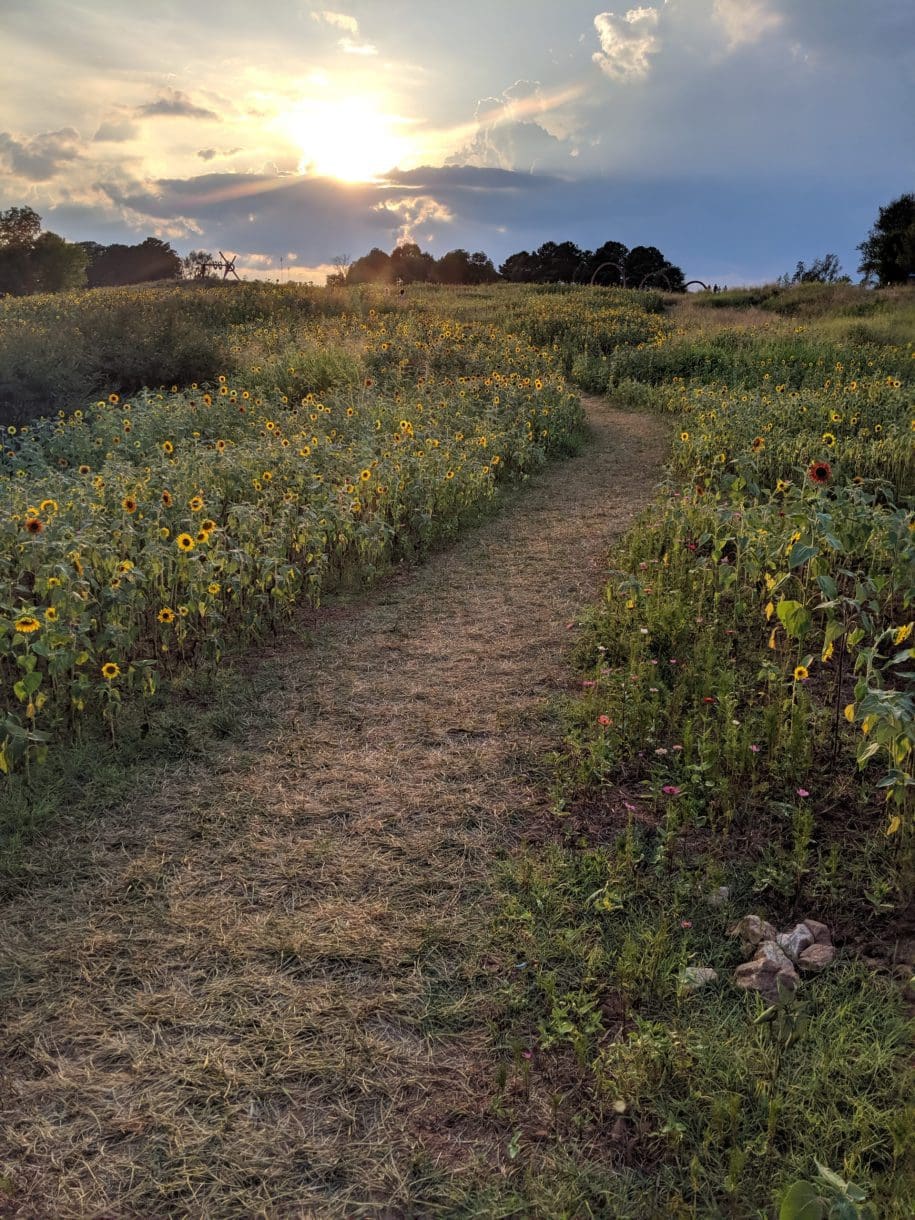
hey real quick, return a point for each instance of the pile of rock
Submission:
(777, 955)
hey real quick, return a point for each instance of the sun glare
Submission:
(351, 140)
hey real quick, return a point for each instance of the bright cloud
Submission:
(414, 211)
(626, 42)
(745, 21)
(341, 20)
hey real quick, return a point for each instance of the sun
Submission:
(352, 139)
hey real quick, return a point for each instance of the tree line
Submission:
(551, 263)
(33, 260)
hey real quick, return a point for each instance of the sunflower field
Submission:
(147, 532)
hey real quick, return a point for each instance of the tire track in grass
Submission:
(255, 989)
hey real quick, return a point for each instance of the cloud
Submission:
(413, 211)
(39, 158)
(115, 131)
(341, 20)
(626, 42)
(175, 103)
(208, 154)
(348, 47)
(745, 21)
(519, 129)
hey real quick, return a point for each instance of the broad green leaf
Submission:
(801, 1202)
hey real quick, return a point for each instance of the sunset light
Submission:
(352, 139)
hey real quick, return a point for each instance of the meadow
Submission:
(744, 706)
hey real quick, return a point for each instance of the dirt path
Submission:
(251, 992)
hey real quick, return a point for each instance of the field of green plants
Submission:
(744, 741)
(181, 469)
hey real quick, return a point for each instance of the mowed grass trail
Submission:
(259, 988)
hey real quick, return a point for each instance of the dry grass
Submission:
(259, 990)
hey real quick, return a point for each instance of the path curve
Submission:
(247, 994)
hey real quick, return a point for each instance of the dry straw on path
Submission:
(256, 991)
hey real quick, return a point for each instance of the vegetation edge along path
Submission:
(250, 990)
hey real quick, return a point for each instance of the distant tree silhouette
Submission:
(459, 267)
(32, 261)
(192, 263)
(825, 270)
(888, 252)
(116, 265)
(372, 268)
(410, 264)
(520, 268)
(607, 264)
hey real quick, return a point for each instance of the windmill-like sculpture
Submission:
(224, 264)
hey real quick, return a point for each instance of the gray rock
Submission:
(764, 976)
(752, 930)
(816, 957)
(819, 932)
(695, 977)
(796, 941)
(770, 951)
(717, 898)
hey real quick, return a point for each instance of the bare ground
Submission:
(258, 989)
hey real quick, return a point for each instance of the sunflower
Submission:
(166, 615)
(828, 439)
(185, 542)
(167, 498)
(85, 469)
(365, 475)
(50, 615)
(114, 399)
(819, 472)
(759, 443)
(209, 525)
(129, 504)
(195, 504)
(220, 446)
(203, 535)
(213, 588)
(684, 437)
(33, 525)
(48, 506)
(168, 446)
(801, 673)
(110, 671)
(26, 624)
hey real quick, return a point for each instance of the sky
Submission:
(739, 136)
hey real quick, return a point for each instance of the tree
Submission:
(557, 262)
(519, 268)
(57, 264)
(888, 251)
(825, 270)
(195, 265)
(412, 265)
(646, 265)
(372, 268)
(152, 259)
(607, 265)
(32, 261)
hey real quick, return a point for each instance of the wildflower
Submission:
(671, 790)
(686, 923)
(819, 472)
(902, 633)
(754, 748)
(802, 792)
(26, 624)
(801, 673)
(604, 720)
(110, 671)
(185, 542)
